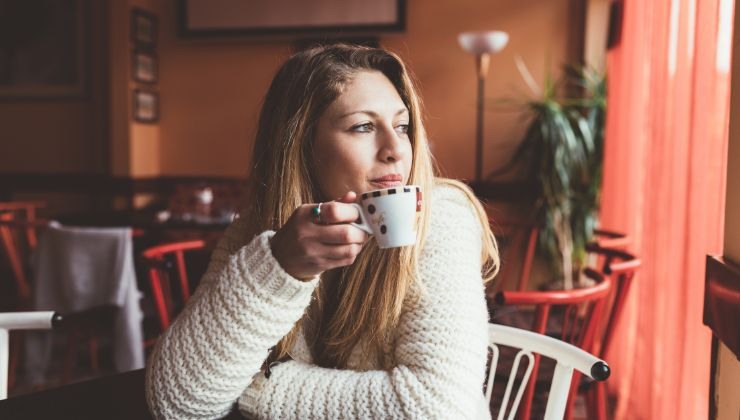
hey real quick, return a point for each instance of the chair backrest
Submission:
(518, 240)
(567, 357)
(162, 263)
(18, 238)
(45, 320)
(573, 316)
(603, 238)
(621, 267)
(19, 321)
(611, 239)
(25, 211)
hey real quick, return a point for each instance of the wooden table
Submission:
(113, 397)
(141, 220)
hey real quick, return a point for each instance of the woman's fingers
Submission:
(334, 212)
(309, 244)
(326, 257)
(348, 197)
(342, 234)
(341, 253)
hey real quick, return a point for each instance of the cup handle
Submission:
(362, 221)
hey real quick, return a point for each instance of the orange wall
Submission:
(210, 94)
(538, 31)
(211, 90)
(145, 139)
(120, 107)
(596, 33)
(61, 134)
(135, 147)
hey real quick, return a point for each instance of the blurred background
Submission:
(598, 133)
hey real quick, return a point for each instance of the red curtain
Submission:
(664, 183)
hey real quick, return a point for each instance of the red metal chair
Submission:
(26, 211)
(12, 256)
(621, 267)
(569, 315)
(162, 262)
(611, 239)
(518, 240)
(18, 236)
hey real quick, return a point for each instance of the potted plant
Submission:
(561, 153)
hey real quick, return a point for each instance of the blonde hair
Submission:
(373, 289)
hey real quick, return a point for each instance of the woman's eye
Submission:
(363, 128)
(402, 129)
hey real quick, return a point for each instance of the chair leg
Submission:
(600, 403)
(94, 360)
(14, 357)
(16, 265)
(70, 358)
(572, 395)
(596, 401)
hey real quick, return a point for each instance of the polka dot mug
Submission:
(390, 215)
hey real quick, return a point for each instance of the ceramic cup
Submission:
(390, 215)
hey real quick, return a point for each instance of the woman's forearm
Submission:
(204, 361)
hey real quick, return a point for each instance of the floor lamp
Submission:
(482, 45)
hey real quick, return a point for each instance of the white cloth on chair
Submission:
(75, 269)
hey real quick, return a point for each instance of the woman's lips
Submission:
(386, 184)
(388, 181)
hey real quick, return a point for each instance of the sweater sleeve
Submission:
(440, 350)
(244, 304)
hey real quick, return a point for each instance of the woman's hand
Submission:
(305, 249)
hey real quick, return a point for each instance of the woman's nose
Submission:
(391, 146)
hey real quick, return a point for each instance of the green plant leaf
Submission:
(562, 152)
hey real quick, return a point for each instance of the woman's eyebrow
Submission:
(371, 113)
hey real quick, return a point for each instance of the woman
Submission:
(300, 315)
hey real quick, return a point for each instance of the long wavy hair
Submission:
(360, 303)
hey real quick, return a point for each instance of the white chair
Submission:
(567, 357)
(39, 320)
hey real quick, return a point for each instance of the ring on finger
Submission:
(316, 212)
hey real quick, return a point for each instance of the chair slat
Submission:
(570, 360)
(558, 396)
(580, 309)
(163, 271)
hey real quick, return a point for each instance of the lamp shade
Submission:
(483, 42)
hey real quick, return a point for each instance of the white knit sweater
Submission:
(210, 358)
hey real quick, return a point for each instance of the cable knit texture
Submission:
(211, 355)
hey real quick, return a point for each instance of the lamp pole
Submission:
(482, 45)
(482, 62)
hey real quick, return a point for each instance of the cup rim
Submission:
(378, 192)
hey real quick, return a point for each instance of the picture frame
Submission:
(45, 50)
(289, 18)
(146, 106)
(144, 66)
(144, 27)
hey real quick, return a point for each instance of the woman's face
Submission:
(362, 140)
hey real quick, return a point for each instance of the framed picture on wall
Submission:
(143, 29)
(146, 106)
(144, 66)
(43, 51)
(290, 18)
